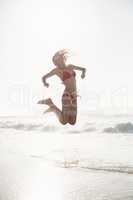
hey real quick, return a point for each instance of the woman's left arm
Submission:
(82, 69)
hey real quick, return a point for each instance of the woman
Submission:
(69, 98)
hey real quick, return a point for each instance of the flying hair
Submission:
(62, 54)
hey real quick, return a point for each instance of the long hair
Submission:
(62, 54)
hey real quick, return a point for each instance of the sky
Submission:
(99, 35)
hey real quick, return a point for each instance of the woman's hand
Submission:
(83, 73)
(51, 73)
(44, 82)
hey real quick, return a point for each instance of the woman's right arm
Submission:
(51, 73)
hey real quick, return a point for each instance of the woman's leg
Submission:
(73, 110)
(53, 108)
(69, 107)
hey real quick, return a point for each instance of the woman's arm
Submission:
(51, 73)
(82, 69)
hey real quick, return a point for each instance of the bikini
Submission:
(67, 75)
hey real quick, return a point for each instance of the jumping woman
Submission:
(67, 74)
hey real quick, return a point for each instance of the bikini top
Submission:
(67, 75)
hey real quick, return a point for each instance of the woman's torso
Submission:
(67, 75)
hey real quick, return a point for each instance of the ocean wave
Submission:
(38, 124)
(82, 164)
(120, 128)
(31, 124)
(82, 130)
(119, 169)
(27, 126)
(97, 166)
(106, 166)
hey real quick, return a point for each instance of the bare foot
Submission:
(48, 110)
(46, 101)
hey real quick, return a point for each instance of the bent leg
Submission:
(66, 106)
(58, 113)
(73, 110)
(53, 108)
(72, 116)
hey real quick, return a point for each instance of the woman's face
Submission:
(60, 62)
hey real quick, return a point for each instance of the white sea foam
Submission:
(120, 128)
(91, 160)
(89, 124)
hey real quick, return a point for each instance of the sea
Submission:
(42, 159)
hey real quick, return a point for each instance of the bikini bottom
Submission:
(69, 99)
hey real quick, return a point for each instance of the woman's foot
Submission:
(46, 101)
(50, 109)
